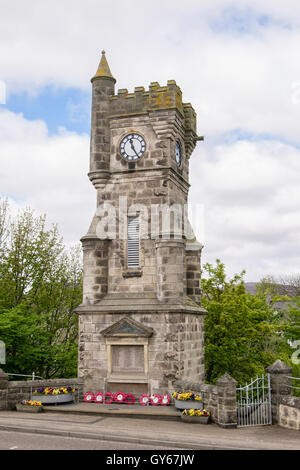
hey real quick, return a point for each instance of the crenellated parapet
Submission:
(155, 99)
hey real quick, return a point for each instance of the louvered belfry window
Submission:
(133, 242)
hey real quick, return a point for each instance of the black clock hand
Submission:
(133, 147)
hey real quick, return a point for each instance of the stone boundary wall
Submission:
(3, 399)
(285, 407)
(210, 400)
(208, 393)
(13, 392)
(289, 413)
(219, 399)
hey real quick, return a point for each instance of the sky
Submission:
(236, 61)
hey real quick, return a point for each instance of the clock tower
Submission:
(141, 320)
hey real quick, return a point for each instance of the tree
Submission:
(28, 257)
(284, 295)
(4, 221)
(40, 287)
(241, 330)
(279, 288)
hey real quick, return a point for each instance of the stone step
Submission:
(117, 410)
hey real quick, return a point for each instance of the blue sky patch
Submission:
(243, 21)
(240, 134)
(68, 108)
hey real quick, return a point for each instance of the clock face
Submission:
(178, 154)
(132, 146)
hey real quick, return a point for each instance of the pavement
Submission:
(155, 426)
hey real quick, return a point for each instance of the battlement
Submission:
(156, 98)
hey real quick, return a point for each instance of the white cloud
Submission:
(251, 195)
(249, 190)
(240, 82)
(235, 81)
(48, 174)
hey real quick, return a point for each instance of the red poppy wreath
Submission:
(129, 399)
(119, 397)
(88, 397)
(155, 400)
(99, 397)
(109, 398)
(144, 399)
(165, 400)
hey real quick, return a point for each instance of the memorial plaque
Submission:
(127, 358)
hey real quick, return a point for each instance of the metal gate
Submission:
(254, 402)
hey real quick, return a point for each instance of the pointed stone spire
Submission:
(103, 70)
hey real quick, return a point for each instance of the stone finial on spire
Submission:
(103, 69)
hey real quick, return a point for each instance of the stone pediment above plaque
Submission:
(127, 327)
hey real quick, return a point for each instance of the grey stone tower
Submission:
(140, 322)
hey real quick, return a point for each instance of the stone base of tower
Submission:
(140, 351)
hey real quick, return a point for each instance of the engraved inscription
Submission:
(127, 358)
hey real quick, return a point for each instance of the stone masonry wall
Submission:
(105, 261)
(95, 269)
(121, 280)
(170, 259)
(285, 407)
(193, 275)
(3, 399)
(100, 133)
(3, 390)
(176, 346)
(208, 393)
(219, 399)
(155, 179)
(289, 413)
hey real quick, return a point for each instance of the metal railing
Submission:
(32, 376)
(254, 402)
(292, 386)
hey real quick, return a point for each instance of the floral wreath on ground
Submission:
(129, 399)
(97, 398)
(194, 412)
(144, 399)
(126, 398)
(31, 403)
(108, 398)
(120, 397)
(89, 397)
(165, 399)
(155, 400)
(186, 396)
(53, 391)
